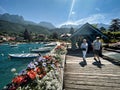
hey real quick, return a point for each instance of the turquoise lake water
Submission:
(113, 55)
(7, 64)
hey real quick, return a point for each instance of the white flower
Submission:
(44, 64)
(36, 63)
(16, 74)
(31, 65)
(53, 88)
(52, 65)
(40, 59)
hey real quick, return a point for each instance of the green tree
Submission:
(27, 35)
(71, 30)
(102, 29)
(115, 25)
(55, 35)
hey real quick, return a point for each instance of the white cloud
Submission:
(67, 23)
(96, 18)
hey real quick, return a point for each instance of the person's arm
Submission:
(101, 45)
(93, 45)
(86, 46)
(81, 46)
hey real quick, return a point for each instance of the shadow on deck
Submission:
(90, 74)
(78, 53)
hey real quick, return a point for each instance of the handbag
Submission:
(83, 49)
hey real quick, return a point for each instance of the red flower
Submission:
(31, 74)
(41, 76)
(44, 73)
(18, 80)
(47, 57)
(38, 70)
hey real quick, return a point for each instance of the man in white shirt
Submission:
(97, 48)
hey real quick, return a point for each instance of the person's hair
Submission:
(97, 37)
(84, 40)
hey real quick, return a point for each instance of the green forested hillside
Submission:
(8, 27)
(60, 31)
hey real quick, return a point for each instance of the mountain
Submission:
(69, 26)
(12, 18)
(9, 27)
(60, 31)
(15, 19)
(19, 19)
(99, 25)
(47, 24)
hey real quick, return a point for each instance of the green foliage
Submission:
(8, 27)
(115, 25)
(94, 25)
(60, 30)
(102, 29)
(54, 35)
(113, 36)
(71, 31)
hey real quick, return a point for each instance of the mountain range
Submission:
(47, 24)
(98, 25)
(16, 23)
(10, 27)
(20, 20)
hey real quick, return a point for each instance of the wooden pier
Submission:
(90, 74)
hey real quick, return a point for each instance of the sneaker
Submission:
(95, 59)
(99, 61)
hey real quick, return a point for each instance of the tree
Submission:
(54, 35)
(102, 29)
(71, 30)
(26, 35)
(115, 25)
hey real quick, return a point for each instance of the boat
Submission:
(50, 44)
(13, 45)
(23, 55)
(42, 50)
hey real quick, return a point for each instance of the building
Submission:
(88, 32)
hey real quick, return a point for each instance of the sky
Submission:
(60, 12)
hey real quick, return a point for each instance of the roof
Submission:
(88, 29)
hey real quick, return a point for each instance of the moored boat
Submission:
(42, 49)
(51, 44)
(13, 44)
(24, 55)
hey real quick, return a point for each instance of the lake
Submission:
(113, 55)
(7, 64)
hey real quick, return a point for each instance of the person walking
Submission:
(84, 48)
(97, 45)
